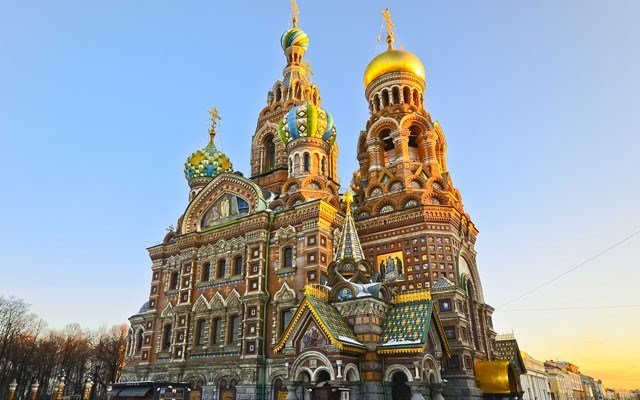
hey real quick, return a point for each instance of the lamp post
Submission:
(12, 388)
(60, 389)
(34, 390)
(87, 389)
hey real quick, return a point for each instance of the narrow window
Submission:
(200, 336)
(216, 331)
(166, 338)
(270, 153)
(222, 266)
(307, 162)
(139, 342)
(234, 326)
(285, 319)
(173, 282)
(287, 256)
(206, 272)
(237, 266)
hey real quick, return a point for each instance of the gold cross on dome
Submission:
(347, 199)
(294, 13)
(214, 117)
(387, 17)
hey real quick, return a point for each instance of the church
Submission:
(281, 285)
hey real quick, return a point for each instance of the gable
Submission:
(326, 318)
(226, 197)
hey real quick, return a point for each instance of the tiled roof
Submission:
(442, 283)
(406, 325)
(329, 320)
(349, 244)
(508, 350)
(333, 321)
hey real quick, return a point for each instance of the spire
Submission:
(349, 244)
(214, 117)
(387, 17)
(294, 13)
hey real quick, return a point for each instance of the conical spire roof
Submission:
(349, 244)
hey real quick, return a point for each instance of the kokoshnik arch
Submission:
(275, 287)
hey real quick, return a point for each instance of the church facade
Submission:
(276, 286)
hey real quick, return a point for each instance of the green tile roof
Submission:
(406, 325)
(333, 321)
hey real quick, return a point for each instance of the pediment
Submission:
(226, 197)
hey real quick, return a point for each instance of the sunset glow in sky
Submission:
(102, 102)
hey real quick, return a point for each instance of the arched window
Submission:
(306, 162)
(414, 149)
(269, 153)
(376, 103)
(201, 338)
(396, 95)
(385, 98)
(206, 272)
(237, 265)
(173, 281)
(139, 341)
(416, 98)
(166, 337)
(406, 94)
(323, 171)
(296, 164)
(287, 257)
(278, 93)
(222, 267)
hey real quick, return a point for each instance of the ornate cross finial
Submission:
(387, 17)
(213, 119)
(347, 199)
(294, 13)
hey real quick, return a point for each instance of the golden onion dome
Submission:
(393, 61)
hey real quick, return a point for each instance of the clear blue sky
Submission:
(101, 103)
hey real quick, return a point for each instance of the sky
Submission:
(102, 102)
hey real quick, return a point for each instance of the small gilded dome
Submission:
(307, 120)
(393, 61)
(207, 162)
(294, 37)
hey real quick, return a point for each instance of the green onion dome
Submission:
(307, 120)
(208, 162)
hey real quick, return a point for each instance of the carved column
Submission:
(375, 155)
(431, 160)
(401, 144)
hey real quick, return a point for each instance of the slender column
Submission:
(431, 160)
(401, 144)
(373, 148)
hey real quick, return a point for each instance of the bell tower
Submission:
(402, 149)
(269, 161)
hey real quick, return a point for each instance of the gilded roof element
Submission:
(393, 60)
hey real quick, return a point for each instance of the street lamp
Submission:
(87, 389)
(12, 388)
(34, 390)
